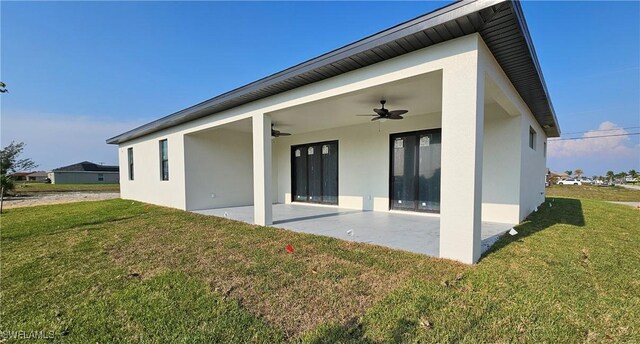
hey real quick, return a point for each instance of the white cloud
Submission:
(58, 140)
(610, 146)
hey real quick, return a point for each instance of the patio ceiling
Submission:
(421, 95)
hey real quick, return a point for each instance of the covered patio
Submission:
(399, 230)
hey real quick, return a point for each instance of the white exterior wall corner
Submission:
(532, 163)
(462, 146)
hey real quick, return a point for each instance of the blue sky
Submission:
(80, 72)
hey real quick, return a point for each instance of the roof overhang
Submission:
(500, 23)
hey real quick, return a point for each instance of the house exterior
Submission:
(553, 176)
(39, 177)
(20, 176)
(471, 148)
(85, 173)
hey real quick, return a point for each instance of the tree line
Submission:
(610, 175)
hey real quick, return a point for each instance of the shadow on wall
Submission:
(553, 211)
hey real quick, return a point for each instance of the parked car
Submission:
(570, 181)
(586, 181)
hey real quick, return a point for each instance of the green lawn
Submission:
(31, 188)
(125, 271)
(605, 193)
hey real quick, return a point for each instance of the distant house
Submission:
(551, 175)
(85, 173)
(37, 176)
(20, 176)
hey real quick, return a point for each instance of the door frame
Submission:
(392, 136)
(293, 173)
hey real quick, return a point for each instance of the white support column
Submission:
(462, 141)
(262, 208)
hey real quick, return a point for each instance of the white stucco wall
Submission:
(533, 167)
(532, 163)
(147, 185)
(363, 160)
(501, 166)
(221, 173)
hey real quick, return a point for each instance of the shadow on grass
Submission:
(14, 235)
(553, 211)
(354, 332)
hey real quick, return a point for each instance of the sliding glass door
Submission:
(314, 172)
(415, 171)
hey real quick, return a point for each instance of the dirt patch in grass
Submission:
(322, 281)
(35, 199)
(35, 188)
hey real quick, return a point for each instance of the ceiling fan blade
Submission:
(395, 117)
(284, 134)
(375, 119)
(367, 115)
(397, 112)
(381, 112)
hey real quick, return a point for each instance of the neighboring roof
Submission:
(500, 23)
(38, 174)
(559, 174)
(20, 174)
(87, 166)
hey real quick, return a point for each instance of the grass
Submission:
(604, 193)
(126, 271)
(34, 188)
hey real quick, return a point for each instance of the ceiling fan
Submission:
(386, 114)
(277, 133)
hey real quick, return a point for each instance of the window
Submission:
(130, 158)
(164, 160)
(101, 177)
(532, 138)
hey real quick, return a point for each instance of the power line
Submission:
(591, 137)
(597, 130)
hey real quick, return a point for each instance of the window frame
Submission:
(164, 159)
(130, 162)
(533, 138)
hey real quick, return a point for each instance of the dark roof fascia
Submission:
(421, 23)
(532, 50)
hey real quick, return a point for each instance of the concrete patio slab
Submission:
(416, 233)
